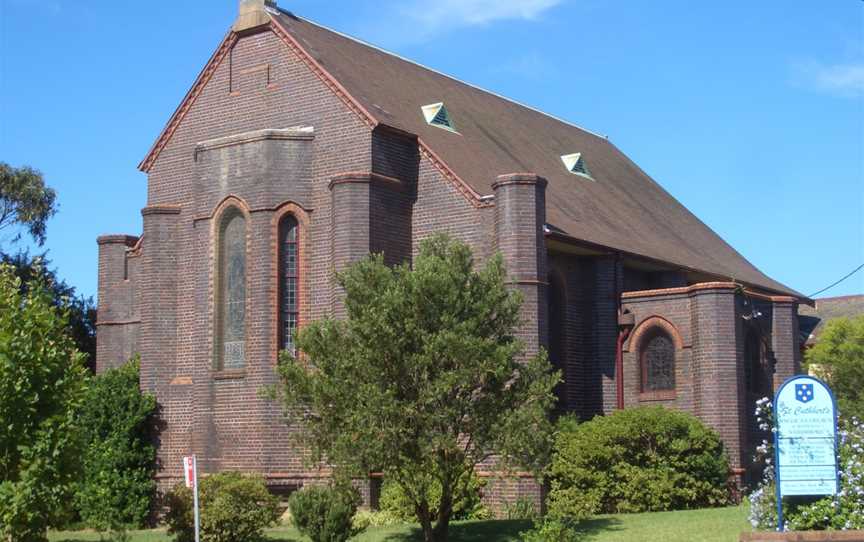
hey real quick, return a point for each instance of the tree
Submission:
(424, 379)
(81, 311)
(839, 356)
(25, 201)
(119, 459)
(42, 383)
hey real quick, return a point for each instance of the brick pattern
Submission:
(574, 362)
(119, 318)
(674, 313)
(350, 226)
(441, 208)
(784, 340)
(501, 491)
(608, 282)
(520, 214)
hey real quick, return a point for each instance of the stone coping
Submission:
(703, 286)
(300, 133)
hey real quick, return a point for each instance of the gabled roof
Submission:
(624, 209)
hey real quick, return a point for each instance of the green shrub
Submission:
(325, 514)
(467, 506)
(117, 485)
(42, 386)
(551, 530)
(521, 508)
(637, 460)
(234, 508)
(373, 518)
(838, 357)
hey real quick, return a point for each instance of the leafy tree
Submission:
(119, 460)
(42, 383)
(81, 310)
(467, 506)
(838, 357)
(423, 380)
(25, 201)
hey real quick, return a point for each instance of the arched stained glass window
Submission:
(658, 362)
(289, 282)
(231, 300)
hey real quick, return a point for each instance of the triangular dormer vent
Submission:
(576, 164)
(437, 115)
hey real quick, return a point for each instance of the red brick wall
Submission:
(220, 416)
(705, 327)
(223, 419)
(709, 322)
(119, 319)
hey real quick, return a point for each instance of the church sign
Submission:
(805, 440)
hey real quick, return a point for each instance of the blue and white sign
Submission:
(805, 439)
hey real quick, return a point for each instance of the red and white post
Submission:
(190, 473)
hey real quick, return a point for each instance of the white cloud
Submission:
(839, 79)
(436, 15)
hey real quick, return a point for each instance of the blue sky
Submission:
(750, 113)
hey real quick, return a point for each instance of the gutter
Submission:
(607, 250)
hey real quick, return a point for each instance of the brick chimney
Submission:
(252, 14)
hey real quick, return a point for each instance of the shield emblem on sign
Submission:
(804, 392)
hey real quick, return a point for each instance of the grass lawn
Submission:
(709, 525)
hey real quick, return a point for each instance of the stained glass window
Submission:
(658, 363)
(231, 344)
(289, 295)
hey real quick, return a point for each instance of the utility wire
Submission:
(859, 268)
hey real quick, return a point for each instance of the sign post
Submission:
(190, 473)
(805, 440)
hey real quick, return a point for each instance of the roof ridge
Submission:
(438, 72)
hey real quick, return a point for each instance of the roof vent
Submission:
(437, 115)
(576, 164)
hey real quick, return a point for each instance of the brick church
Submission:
(299, 150)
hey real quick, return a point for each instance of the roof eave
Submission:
(565, 238)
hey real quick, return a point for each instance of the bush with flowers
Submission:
(844, 511)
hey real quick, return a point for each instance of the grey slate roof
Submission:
(624, 209)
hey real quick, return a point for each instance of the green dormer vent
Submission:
(575, 164)
(437, 115)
